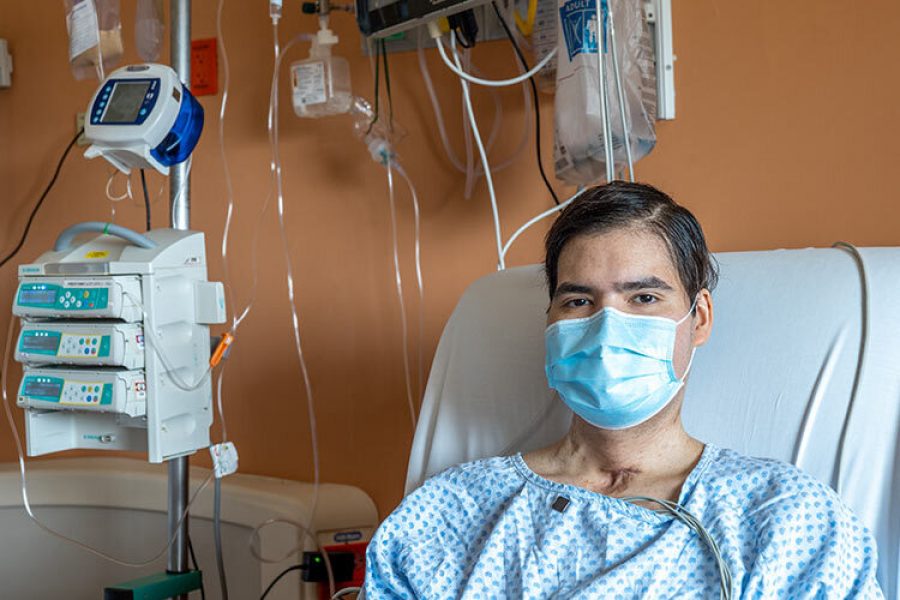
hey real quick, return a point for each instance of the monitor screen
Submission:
(40, 342)
(126, 100)
(42, 388)
(37, 296)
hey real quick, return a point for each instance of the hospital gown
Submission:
(488, 529)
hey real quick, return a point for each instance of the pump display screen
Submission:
(39, 342)
(125, 103)
(37, 296)
(42, 388)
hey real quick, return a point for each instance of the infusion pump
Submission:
(115, 344)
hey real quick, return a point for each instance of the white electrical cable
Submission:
(490, 82)
(419, 284)
(23, 479)
(442, 130)
(398, 281)
(538, 218)
(620, 91)
(501, 265)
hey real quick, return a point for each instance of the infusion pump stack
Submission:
(114, 342)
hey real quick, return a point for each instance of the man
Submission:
(629, 276)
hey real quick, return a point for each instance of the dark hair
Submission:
(621, 204)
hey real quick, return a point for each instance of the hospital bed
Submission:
(803, 366)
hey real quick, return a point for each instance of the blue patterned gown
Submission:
(489, 529)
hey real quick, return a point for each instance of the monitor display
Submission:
(42, 388)
(37, 296)
(125, 102)
(40, 342)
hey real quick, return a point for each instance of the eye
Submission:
(645, 299)
(576, 302)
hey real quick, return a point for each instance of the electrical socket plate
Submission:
(79, 126)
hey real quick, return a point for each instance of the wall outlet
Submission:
(204, 68)
(6, 65)
(79, 125)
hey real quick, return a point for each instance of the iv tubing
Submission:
(501, 265)
(536, 219)
(490, 82)
(604, 102)
(418, 254)
(275, 166)
(24, 481)
(620, 92)
(398, 280)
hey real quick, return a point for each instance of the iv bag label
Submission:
(579, 25)
(309, 83)
(84, 30)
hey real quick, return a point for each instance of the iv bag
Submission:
(578, 150)
(95, 36)
(149, 29)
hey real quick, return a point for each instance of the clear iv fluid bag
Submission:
(578, 150)
(321, 85)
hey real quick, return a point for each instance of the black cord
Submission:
(40, 201)
(194, 560)
(146, 198)
(387, 86)
(377, 78)
(278, 578)
(534, 96)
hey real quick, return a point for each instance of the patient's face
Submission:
(630, 270)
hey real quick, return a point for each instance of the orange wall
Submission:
(785, 137)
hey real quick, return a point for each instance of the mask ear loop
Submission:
(694, 349)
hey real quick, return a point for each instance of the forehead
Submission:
(625, 254)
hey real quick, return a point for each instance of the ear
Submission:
(703, 318)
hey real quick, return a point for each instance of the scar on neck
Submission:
(619, 479)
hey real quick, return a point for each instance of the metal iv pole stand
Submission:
(178, 579)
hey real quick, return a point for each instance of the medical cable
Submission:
(490, 82)
(196, 566)
(398, 281)
(608, 150)
(43, 197)
(23, 480)
(146, 199)
(836, 479)
(537, 219)
(501, 265)
(498, 117)
(280, 576)
(534, 97)
(693, 523)
(217, 536)
(254, 542)
(420, 286)
(620, 91)
(348, 590)
(279, 189)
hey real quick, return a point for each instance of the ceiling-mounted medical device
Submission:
(383, 18)
(115, 342)
(142, 116)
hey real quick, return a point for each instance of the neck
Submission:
(630, 460)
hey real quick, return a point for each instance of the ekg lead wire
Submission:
(23, 479)
(489, 82)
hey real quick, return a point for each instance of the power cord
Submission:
(146, 197)
(297, 567)
(536, 102)
(196, 567)
(40, 201)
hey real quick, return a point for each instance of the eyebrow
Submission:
(646, 283)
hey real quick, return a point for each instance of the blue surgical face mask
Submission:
(613, 369)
